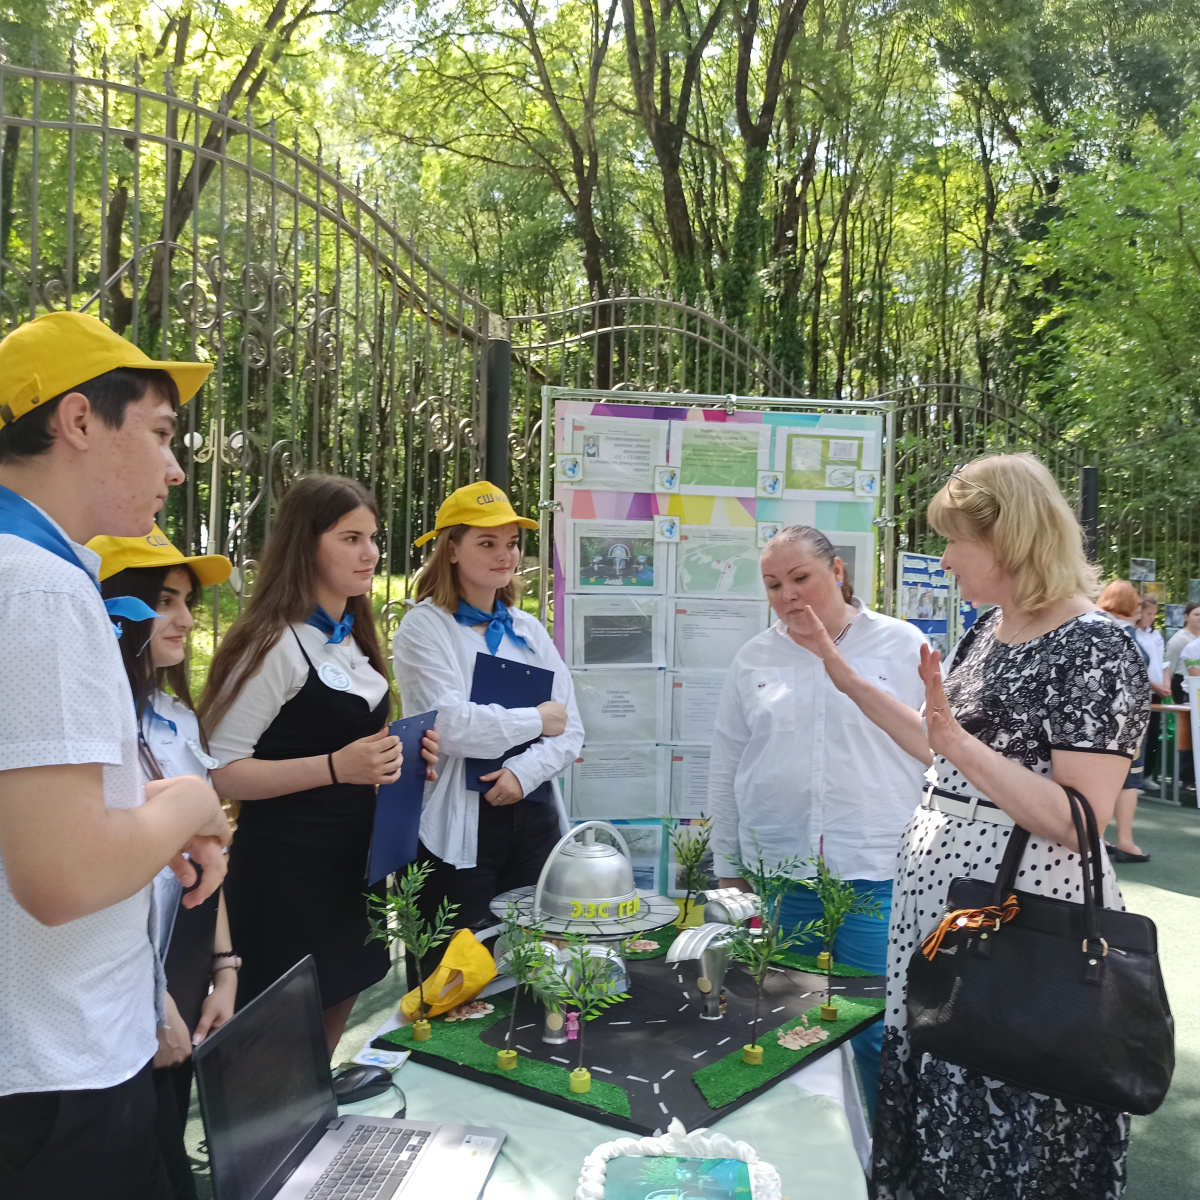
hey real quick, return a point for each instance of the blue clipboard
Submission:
(398, 805)
(512, 685)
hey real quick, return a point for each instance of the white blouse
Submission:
(282, 674)
(434, 661)
(795, 763)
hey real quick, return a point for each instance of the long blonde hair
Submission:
(438, 580)
(1012, 503)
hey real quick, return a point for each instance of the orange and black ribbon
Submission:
(969, 918)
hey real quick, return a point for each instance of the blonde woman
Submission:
(485, 843)
(1044, 690)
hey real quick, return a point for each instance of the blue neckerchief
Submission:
(338, 631)
(23, 520)
(498, 624)
(156, 716)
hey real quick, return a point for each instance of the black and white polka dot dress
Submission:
(943, 1132)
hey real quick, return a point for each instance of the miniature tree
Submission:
(840, 900)
(585, 982)
(396, 917)
(755, 948)
(521, 945)
(690, 846)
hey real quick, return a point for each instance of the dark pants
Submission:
(173, 1087)
(1153, 742)
(513, 844)
(99, 1144)
(1187, 765)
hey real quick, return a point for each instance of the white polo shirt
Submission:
(796, 764)
(76, 1000)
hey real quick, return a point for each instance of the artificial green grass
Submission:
(723, 1081)
(664, 937)
(460, 1042)
(808, 962)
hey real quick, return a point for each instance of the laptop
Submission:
(272, 1123)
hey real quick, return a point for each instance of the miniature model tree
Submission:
(523, 955)
(755, 948)
(396, 917)
(583, 981)
(840, 900)
(690, 846)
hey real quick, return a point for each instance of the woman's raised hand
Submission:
(370, 760)
(808, 630)
(940, 722)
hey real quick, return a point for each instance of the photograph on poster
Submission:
(621, 706)
(616, 631)
(718, 561)
(675, 885)
(609, 555)
(720, 458)
(693, 697)
(1173, 616)
(617, 781)
(924, 603)
(645, 852)
(706, 634)
(1193, 591)
(1141, 570)
(689, 780)
(823, 461)
(617, 454)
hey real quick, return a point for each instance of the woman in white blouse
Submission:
(192, 939)
(296, 710)
(483, 844)
(796, 768)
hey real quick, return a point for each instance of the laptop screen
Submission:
(265, 1088)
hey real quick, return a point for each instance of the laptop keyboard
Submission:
(372, 1159)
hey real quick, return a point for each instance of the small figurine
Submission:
(572, 1026)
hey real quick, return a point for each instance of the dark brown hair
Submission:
(438, 580)
(285, 589)
(816, 543)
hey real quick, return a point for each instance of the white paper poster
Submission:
(694, 696)
(617, 454)
(617, 781)
(617, 556)
(720, 458)
(616, 631)
(706, 634)
(621, 705)
(719, 562)
(689, 780)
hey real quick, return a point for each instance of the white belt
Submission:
(970, 808)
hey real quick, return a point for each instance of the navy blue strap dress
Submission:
(297, 867)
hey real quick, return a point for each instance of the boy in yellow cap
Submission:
(86, 422)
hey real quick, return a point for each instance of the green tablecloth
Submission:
(804, 1136)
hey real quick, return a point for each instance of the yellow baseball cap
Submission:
(156, 550)
(55, 352)
(481, 504)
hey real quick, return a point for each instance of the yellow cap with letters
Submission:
(479, 503)
(57, 351)
(156, 550)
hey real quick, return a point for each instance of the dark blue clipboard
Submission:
(512, 685)
(398, 805)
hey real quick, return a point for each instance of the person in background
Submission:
(1175, 647)
(1043, 691)
(296, 710)
(196, 951)
(1120, 601)
(86, 423)
(483, 844)
(796, 766)
(1151, 641)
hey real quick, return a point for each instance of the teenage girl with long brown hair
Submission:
(296, 710)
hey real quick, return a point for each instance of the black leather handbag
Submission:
(1059, 998)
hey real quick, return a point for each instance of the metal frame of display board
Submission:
(730, 404)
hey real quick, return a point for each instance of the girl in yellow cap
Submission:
(193, 943)
(481, 844)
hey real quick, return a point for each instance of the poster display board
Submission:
(661, 515)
